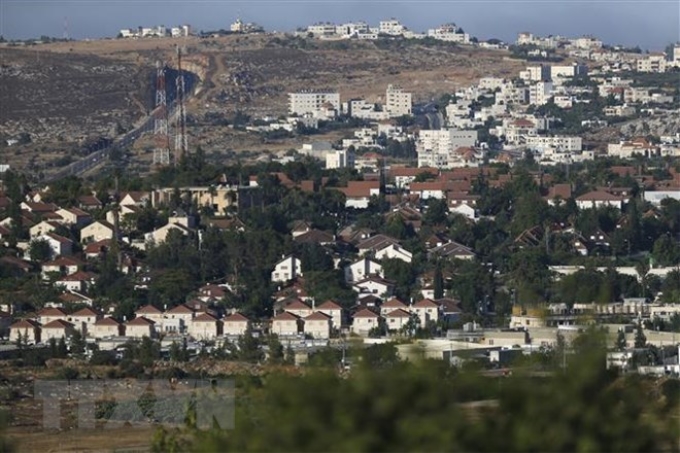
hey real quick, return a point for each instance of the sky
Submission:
(651, 24)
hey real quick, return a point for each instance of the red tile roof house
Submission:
(318, 326)
(391, 305)
(84, 320)
(178, 319)
(298, 308)
(427, 310)
(364, 321)
(28, 330)
(235, 325)
(78, 282)
(397, 319)
(286, 324)
(204, 327)
(140, 327)
(152, 313)
(57, 329)
(47, 315)
(64, 265)
(333, 310)
(107, 327)
(359, 193)
(58, 244)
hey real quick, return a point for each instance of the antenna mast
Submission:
(181, 145)
(161, 153)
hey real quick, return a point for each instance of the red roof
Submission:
(148, 310)
(80, 276)
(598, 195)
(318, 316)
(58, 324)
(285, 316)
(236, 317)
(24, 324)
(51, 312)
(394, 303)
(425, 303)
(141, 321)
(358, 189)
(297, 304)
(181, 309)
(365, 313)
(108, 321)
(205, 317)
(85, 312)
(398, 313)
(329, 305)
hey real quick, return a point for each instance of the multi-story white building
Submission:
(436, 148)
(397, 101)
(318, 30)
(491, 83)
(313, 102)
(351, 29)
(562, 143)
(287, 269)
(567, 71)
(340, 159)
(449, 32)
(391, 27)
(652, 63)
(540, 93)
(535, 73)
(586, 42)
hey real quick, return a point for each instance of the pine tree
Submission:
(621, 341)
(640, 338)
(62, 349)
(438, 282)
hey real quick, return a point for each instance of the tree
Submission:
(39, 250)
(276, 355)
(640, 338)
(438, 282)
(62, 349)
(78, 343)
(621, 340)
(249, 347)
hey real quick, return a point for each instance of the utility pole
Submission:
(161, 153)
(181, 144)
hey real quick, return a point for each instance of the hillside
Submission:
(62, 93)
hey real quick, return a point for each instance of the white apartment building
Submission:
(359, 108)
(398, 102)
(652, 63)
(564, 143)
(535, 73)
(540, 93)
(448, 32)
(491, 83)
(317, 30)
(351, 29)
(312, 102)
(586, 42)
(391, 27)
(340, 159)
(567, 71)
(436, 148)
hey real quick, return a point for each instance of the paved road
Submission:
(98, 157)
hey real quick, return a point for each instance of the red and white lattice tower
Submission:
(161, 152)
(181, 142)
